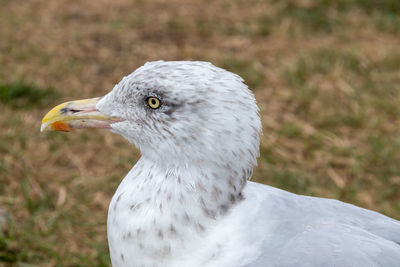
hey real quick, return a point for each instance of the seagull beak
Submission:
(75, 115)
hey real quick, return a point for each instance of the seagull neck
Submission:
(166, 211)
(212, 187)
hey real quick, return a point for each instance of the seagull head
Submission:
(177, 112)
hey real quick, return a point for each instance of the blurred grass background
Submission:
(325, 74)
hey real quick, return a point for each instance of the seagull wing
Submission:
(308, 231)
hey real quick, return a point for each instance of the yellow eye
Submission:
(153, 102)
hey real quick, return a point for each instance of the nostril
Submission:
(74, 110)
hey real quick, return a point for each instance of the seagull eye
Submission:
(153, 102)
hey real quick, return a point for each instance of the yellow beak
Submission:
(76, 114)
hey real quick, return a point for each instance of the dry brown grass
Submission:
(326, 77)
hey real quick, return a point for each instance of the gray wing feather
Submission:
(313, 232)
(328, 245)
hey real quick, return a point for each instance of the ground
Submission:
(325, 74)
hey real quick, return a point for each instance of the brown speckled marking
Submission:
(160, 234)
(119, 197)
(172, 230)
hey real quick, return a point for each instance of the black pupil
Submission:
(153, 101)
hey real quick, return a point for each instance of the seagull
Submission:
(188, 201)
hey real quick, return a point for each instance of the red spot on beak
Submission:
(60, 126)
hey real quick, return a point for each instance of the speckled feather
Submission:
(187, 201)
